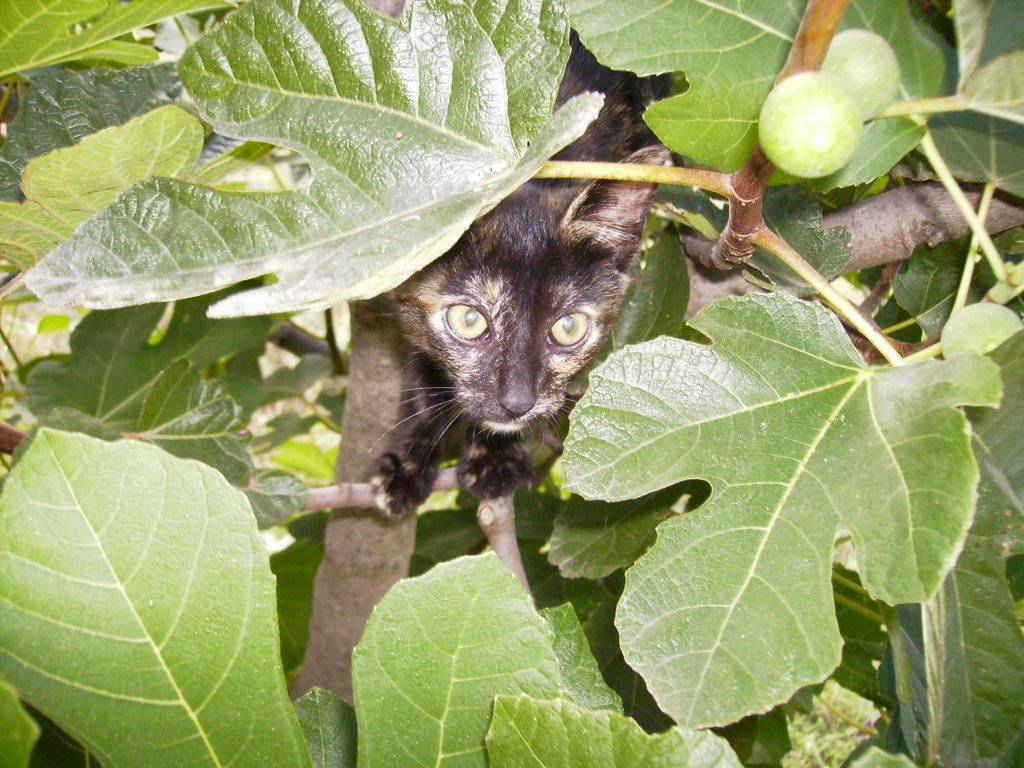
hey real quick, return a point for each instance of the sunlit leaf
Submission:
(117, 559)
(35, 33)
(559, 734)
(65, 187)
(436, 651)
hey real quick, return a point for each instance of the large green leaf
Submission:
(65, 187)
(558, 734)
(731, 52)
(135, 589)
(979, 680)
(436, 651)
(35, 33)
(62, 108)
(412, 128)
(19, 730)
(113, 364)
(796, 437)
(329, 727)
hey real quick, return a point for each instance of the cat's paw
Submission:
(489, 472)
(400, 485)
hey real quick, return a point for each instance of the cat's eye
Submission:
(465, 322)
(568, 330)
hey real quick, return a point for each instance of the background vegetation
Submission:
(795, 494)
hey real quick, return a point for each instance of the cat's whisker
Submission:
(447, 426)
(420, 412)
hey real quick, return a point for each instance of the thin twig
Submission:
(362, 495)
(972, 251)
(935, 159)
(711, 181)
(498, 521)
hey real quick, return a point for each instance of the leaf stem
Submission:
(931, 151)
(788, 255)
(710, 181)
(848, 719)
(851, 585)
(916, 107)
(856, 607)
(924, 354)
(972, 251)
(900, 325)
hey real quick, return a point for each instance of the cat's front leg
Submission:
(493, 464)
(404, 477)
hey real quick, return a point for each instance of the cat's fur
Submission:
(550, 249)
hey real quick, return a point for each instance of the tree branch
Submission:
(299, 342)
(888, 227)
(735, 245)
(497, 519)
(364, 553)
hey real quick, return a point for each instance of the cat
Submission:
(500, 324)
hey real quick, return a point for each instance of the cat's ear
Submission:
(610, 215)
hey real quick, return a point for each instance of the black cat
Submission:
(502, 322)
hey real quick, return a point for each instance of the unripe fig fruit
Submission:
(809, 126)
(979, 328)
(866, 66)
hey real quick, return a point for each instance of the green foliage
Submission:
(65, 187)
(353, 226)
(329, 726)
(810, 415)
(760, 495)
(116, 559)
(527, 732)
(35, 33)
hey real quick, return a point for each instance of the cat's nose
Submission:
(517, 401)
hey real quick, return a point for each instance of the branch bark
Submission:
(497, 520)
(888, 227)
(364, 553)
(883, 229)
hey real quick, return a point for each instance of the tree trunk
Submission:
(364, 553)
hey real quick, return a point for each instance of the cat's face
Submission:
(523, 302)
